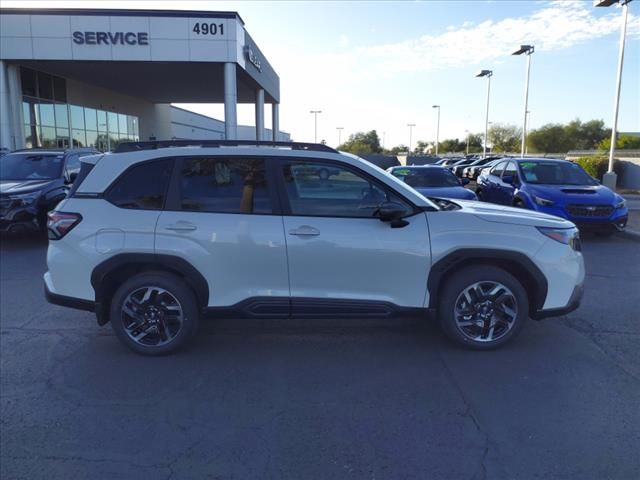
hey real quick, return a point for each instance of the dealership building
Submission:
(100, 77)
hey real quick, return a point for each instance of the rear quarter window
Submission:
(143, 186)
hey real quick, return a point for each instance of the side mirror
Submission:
(464, 181)
(510, 179)
(392, 212)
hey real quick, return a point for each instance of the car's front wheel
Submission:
(154, 313)
(482, 307)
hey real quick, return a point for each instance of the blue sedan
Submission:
(556, 187)
(434, 181)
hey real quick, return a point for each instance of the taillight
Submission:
(61, 223)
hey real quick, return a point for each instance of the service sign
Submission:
(111, 38)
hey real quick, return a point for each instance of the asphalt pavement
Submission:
(356, 399)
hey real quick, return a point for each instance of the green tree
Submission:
(397, 149)
(505, 138)
(475, 142)
(623, 142)
(362, 142)
(585, 136)
(452, 145)
(550, 138)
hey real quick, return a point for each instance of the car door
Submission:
(342, 258)
(223, 217)
(490, 183)
(505, 190)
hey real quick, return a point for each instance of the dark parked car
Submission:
(433, 181)
(472, 170)
(33, 182)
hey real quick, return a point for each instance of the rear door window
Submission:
(498, 169)
(225, 185)
(142, 187)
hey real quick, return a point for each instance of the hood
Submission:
(581, 194)
(17, 187)
(447, 192)
(492, 212)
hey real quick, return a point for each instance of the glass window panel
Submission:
(62, 135)
(59, 89)
(122, 123)
(45, 86)
(77, 117)
(48, 139)
(132, 125)
(90, 120)
(112, 119)
(30, 138)
(102, 121)
(142, 187)
(47, 116)
(62, 116)
(79, 138)
(26, 112)
(28, 81)
(224, 185)
(92, 138)
(102, 142)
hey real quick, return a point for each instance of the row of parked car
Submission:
(552, 186)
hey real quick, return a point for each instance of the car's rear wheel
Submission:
(482, 307)
(154, 313)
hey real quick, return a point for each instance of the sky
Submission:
(382, 65)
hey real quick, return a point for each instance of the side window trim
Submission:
(495, 169)
(278, 168)
(173, 200)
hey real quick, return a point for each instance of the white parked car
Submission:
(159, 235)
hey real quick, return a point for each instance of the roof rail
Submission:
(155, 144)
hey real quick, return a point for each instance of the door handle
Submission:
(181, 227)
(305, 231)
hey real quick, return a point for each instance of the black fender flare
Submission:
(145, 261)
(501, 258)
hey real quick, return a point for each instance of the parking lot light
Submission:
(315, 119)
(410, 125)
(437, 128)
(610, 178)
(528, 51)
(339, 129)
(488, 74)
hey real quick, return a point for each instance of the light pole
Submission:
(410, 125)
(339, 135)
(467, 133)
(437, 128)
(610, 178)
(528, 51)
(384, 137)
(315, 118)
(488, 74)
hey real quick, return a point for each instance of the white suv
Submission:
(161, 234)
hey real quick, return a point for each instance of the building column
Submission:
(11, 129)
(275, 120)
(259, 114)
(230, 102)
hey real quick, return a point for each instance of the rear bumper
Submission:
(70, 302)
(574, 303)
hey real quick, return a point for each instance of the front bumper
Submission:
(574, 303)
(617, 220)
(20, 219)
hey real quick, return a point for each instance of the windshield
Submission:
(426, 177)
(551, 173)
(39, 166)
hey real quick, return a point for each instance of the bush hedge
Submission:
(597, 166)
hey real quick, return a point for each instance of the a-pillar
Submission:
(230, 102)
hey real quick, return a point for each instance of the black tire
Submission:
(518, 203)
(479, 194)
(454, 287)
(176, 288)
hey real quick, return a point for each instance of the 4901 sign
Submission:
(208, 28)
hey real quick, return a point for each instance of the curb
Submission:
(630, 234)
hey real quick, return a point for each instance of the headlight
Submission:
(543, 201)
(26, 199)
(568, 236)
(621, 203)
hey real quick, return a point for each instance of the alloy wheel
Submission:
(151, 316)
(485, 311)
